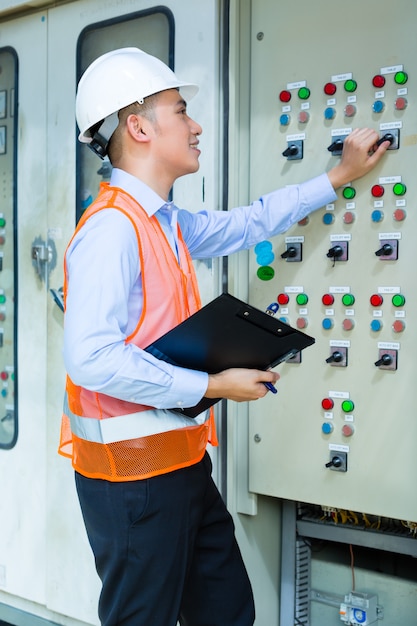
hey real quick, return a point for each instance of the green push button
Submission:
(302, 299)
(350, 85)
(2, 222)
(401, 78)
(348, 406)
(399, 189)
(2, 298)
(398, 300)
(349, 193)
(348, 299)
(265, 272)
(304, 93)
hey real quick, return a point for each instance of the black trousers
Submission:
(165, 550)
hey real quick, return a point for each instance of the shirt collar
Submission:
(149, 200)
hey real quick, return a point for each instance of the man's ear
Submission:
(138, 128)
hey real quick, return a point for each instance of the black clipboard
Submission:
(227, 333)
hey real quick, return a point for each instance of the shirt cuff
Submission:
(187, 389)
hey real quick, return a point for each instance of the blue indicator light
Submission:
(328, 218)
(378, 106)
(329, 113)
(327, 323)
(377, 216)
(376, 325)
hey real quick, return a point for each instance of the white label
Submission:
(391, 69)
(339, 289)
(401, 202)
(403, 91)
(297, 137)
(286, 108)
(378, 204)
(351, 99)
(341, 131)
(389, 290)
(388, 125)
(399, 314)
(305, 106)
(335, 343)
(331, 101)
(293, 289)
(342, 395)
(299, 239)
(300, 83)
(389, 180)
(328, 416)
(338, 77)
(388, 345)
(329, 312)
(389, 236)
(377, 313)
(337, 448)
(343, 237)
(303, 311)
(348, 418)
(350, 205)
(350, 312)
(379, 94)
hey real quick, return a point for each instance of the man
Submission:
(162, 538)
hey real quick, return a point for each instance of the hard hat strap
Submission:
(101, 137)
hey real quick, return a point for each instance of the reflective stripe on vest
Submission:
(131, 426)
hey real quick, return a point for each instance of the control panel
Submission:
(341, 431)
(8, 304)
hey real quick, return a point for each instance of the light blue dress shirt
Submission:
(104, 297)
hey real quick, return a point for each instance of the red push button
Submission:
(283, 298)
(330, 89)
(376, 299)
(378, 81)
(377, 191)
(399, 215)
(348, 323)
(327, 404)
(327, 299)
(348, 430)
(302, 322)
(398, 326)
(285, 96)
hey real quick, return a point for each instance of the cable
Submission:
(352, 566)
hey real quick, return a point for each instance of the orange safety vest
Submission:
(94, 425)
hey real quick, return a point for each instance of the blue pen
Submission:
(271, 387)
(271, 310)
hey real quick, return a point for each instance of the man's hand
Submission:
(360, 155)
(240, 384)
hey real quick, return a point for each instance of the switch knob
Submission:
(386, 359)
(386, 250)
(336, 461)
(290, 252)
(292, 150)
(335, 252)
(387, 137)
(335, 357)
(336, 146)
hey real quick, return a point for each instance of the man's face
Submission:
(175, 138)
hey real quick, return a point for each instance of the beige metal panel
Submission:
(313, 43)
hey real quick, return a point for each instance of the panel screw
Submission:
(257, 438)
(260, 36)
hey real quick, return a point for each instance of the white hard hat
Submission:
(112, 82)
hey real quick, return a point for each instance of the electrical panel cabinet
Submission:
(342, 429)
